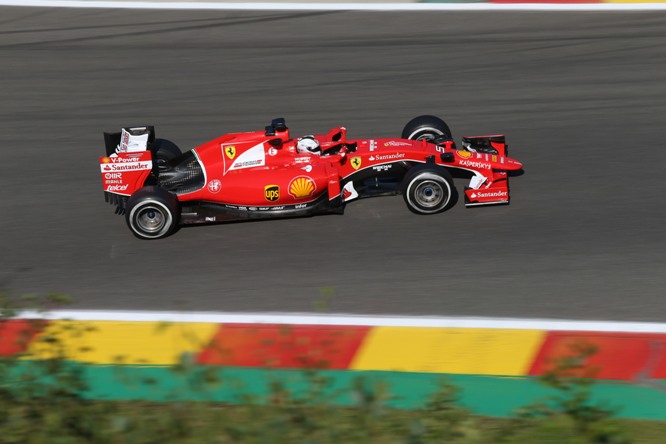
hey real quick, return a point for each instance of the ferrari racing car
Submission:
(268, 174)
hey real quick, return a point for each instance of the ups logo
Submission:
(272, 193)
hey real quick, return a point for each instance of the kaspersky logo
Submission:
(272, 193)
(230, 151)
(356, 162)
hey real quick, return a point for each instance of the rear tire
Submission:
(152, 213)
(426, 127)
(428, 190)
(164, 151)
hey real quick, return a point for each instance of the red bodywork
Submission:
(263, 172)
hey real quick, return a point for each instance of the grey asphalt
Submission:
(581, 97)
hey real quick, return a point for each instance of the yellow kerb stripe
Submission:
(449, 350)
(118, 342)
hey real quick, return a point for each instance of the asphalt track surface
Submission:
(581, 97)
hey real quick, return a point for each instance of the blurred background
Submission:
(579, 95)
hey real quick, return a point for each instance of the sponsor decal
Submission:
(242, 208)
(113, 188)
(474, 164)
(230, 151)
(301, 187)
(272, 193)
(252, 208)
(356, 162)
(302, 160)
(247, 164)
(214, 186)
(133, 142)
(396, 143)
(484, 194)
(113, 175)
(464, 154)
(307, 168)
(382, 167)
(277, 208)
(233, 207)
(129, 166)
(272, 151)
(210, 219)
(373, 145)
(255, 156)
(128, 158)
(387, 157)
(299, 206)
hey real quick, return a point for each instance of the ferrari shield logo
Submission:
(272, 193)
(230, 151)
(356, 162)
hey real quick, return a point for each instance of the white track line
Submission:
(347, 319)
(276, 6)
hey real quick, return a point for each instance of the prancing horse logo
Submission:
(356, 162)
(230, 151)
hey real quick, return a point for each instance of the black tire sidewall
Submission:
(420, 174)
(166, 149)
(423, 125)
(162, 201)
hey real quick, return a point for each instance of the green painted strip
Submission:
(484, 395)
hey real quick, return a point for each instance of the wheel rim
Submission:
(429, 194)
(151, 219)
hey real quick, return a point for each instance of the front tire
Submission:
(426, 127)
(428, 190)
(152, 213)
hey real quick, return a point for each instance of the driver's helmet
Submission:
(308, 145)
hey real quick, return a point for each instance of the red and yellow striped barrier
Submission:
(477, 351)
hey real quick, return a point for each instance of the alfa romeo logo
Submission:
(214, 186)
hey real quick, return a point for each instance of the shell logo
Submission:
(106, 160)
(464, 154)
(302, 186)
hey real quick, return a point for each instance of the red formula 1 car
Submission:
(268, 174)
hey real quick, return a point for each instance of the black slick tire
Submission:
(152, 213)
(164, 151)
(428, 189)
(426, 127)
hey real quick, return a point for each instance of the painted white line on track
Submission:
(275, 6)
(347, 320)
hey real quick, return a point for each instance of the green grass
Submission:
(57, 401)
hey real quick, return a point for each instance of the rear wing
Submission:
(129, 140)
(127, 163)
